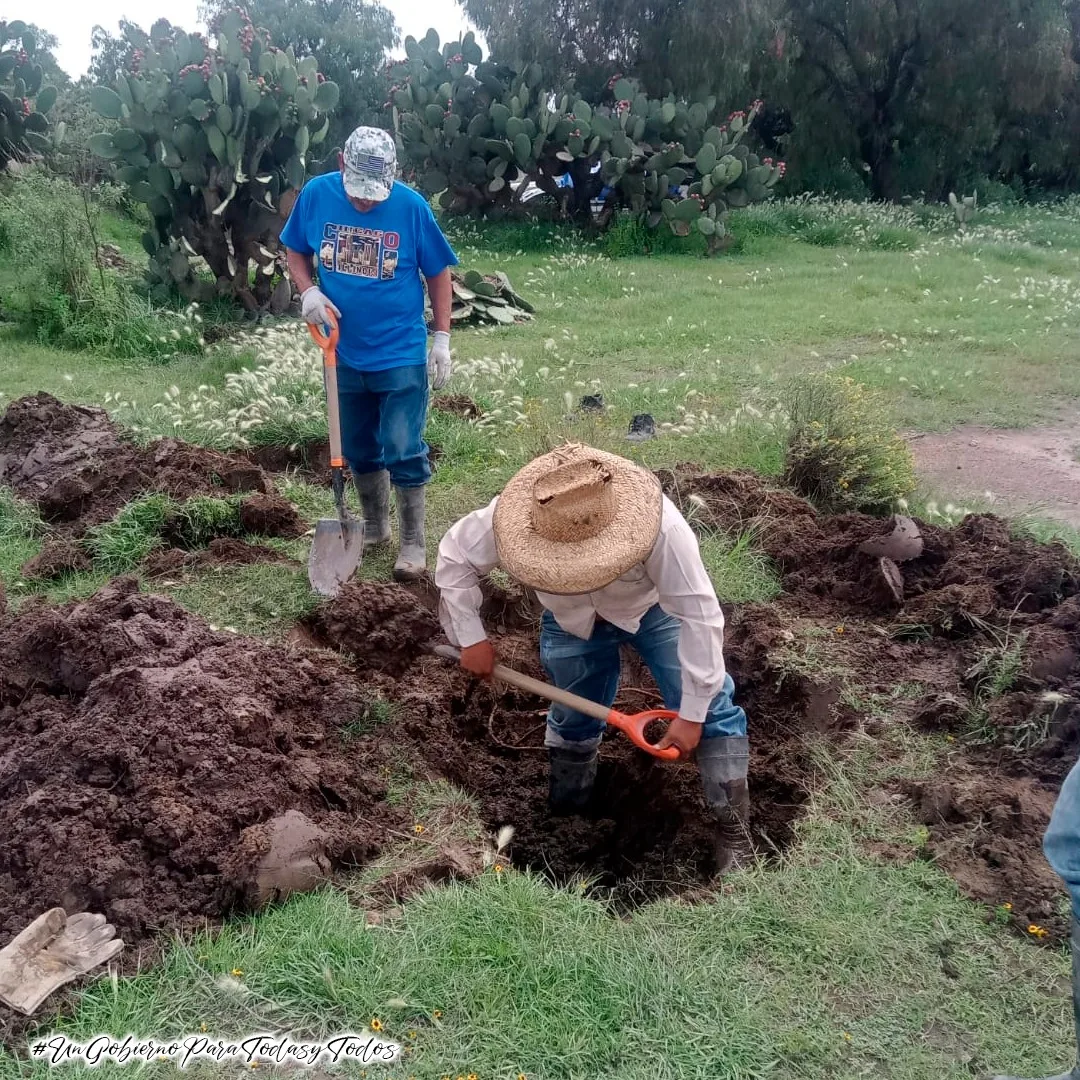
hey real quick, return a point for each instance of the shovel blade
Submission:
(336, 551)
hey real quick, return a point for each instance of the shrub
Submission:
(842, 451)
(56, 290)
(628, 235)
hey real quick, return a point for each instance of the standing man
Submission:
(372, 238)
(1062, 847)
(614, 563)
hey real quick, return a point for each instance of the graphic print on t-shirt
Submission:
(359, 252)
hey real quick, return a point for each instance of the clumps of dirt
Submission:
(457, 405)
(57, 557)
(986, 832)
(139, 748)
(74, 464)
(269, 514)
(223, 551)
(961, 576)
(384, 627)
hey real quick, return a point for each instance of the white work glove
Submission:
(315, 306)
(439, 364)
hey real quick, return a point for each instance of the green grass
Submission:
(265, 599)
(20, 528)
(827, 964)
(740, 571)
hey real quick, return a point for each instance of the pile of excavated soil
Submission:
(162, 773)
(74, 464)
(975, 592)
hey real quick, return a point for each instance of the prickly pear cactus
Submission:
(24, 101)
(211, 137)
(483, 135)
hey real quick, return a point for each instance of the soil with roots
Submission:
(162, 772)
(78, 469)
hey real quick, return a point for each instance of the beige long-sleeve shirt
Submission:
(672, 576)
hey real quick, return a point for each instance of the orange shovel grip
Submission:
(328, 342)
(633, 727)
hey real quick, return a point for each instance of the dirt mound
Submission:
(57, 557)
(384, 627)
(73, 463)
(141, 747)
(963, 574)
(222, 551)
(984, 624)
(987, 834)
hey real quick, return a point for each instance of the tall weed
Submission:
(53, 285)
(843, 451)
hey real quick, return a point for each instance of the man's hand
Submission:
(439, 364)
(316, 307)
(684, 735)
(479, 659)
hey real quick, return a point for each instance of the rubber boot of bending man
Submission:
(723, 763)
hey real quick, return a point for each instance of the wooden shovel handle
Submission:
(631, 726)
(328, 343)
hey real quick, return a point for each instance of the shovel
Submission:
(631, 725)
(339, 542)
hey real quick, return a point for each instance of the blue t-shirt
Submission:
(370, 266)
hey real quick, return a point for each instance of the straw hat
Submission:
(574, 520)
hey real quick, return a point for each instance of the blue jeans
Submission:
(591, 670)
(1062, 840)
(383, 414)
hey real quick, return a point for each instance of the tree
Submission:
(680, 45)
(902, 81)
(349, 38)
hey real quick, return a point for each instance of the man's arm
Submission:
(315, 305)
(466, 553)
(299, 269)
(685, 591)
(441, 291)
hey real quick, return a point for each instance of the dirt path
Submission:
(1027, 469)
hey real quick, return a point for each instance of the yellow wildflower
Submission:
(1007, 906)
(236, 972)
(498, 868)
(418, 828)
(376, 1024)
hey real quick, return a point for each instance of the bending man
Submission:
(613, 563)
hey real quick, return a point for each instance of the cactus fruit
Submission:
(209, 138)
(24, 101)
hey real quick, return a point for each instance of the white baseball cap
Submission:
(370, 159)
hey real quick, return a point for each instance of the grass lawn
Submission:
(834, 961)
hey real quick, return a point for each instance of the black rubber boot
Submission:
(412, 560)
(723, 762)
(374, 491)
(572, 775)
(1074, 941)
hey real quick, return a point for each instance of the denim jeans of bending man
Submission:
(591, 668)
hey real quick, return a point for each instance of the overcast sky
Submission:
(72, 20)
